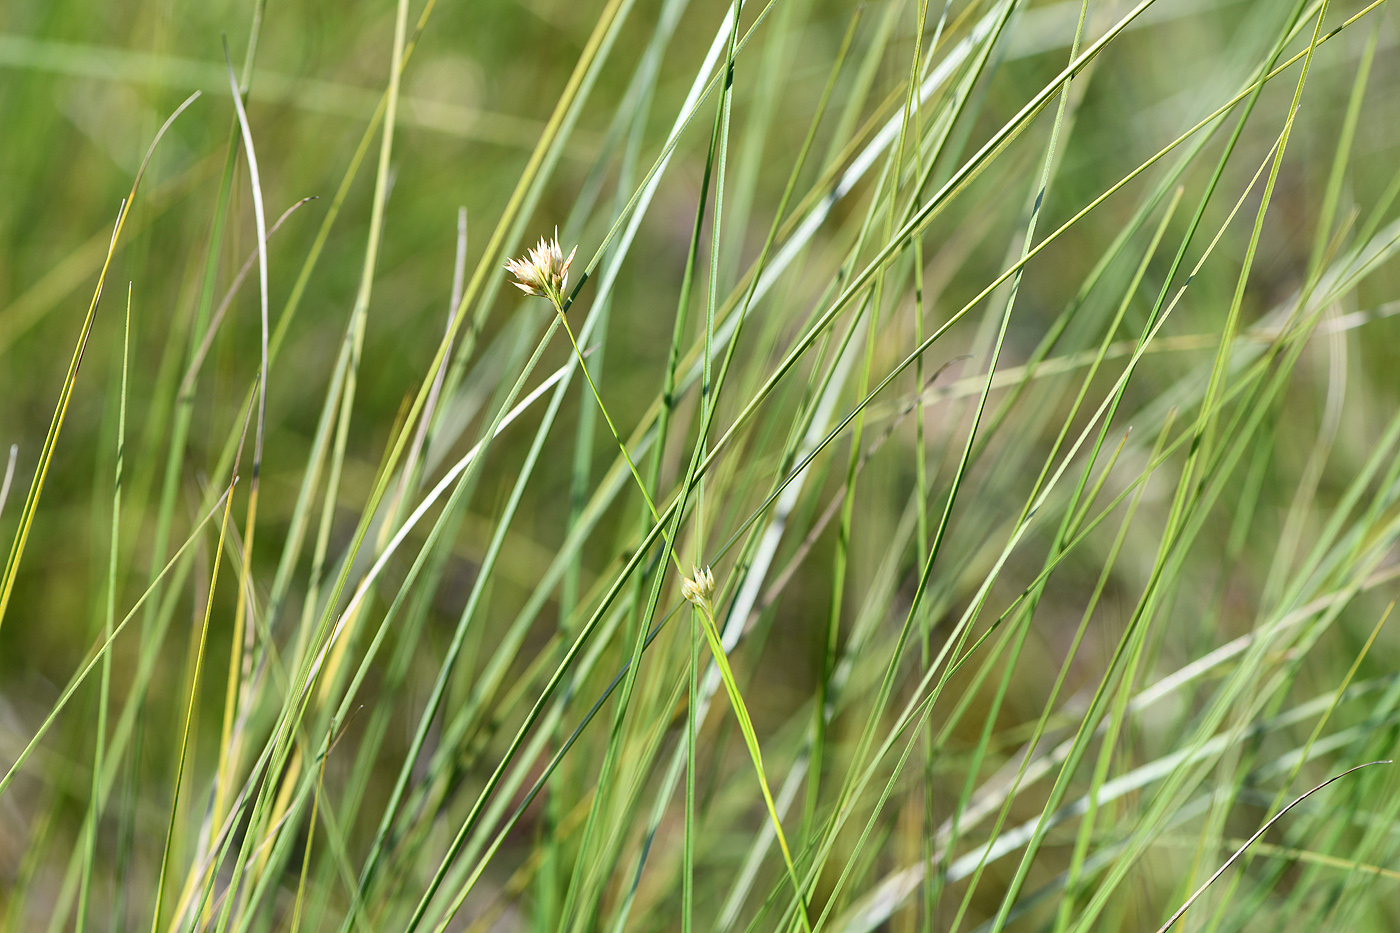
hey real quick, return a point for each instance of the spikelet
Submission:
(544, 271)
(699, 589)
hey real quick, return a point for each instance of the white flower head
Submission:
(699, 589)
(544, 271)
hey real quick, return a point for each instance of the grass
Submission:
(1022, 372)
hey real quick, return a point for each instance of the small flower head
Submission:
(544, 271)
(699, 589)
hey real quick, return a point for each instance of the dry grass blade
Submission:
(1181, 911)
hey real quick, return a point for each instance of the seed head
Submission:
(544, 271)
(699, 589)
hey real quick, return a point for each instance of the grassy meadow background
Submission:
(1025, 372)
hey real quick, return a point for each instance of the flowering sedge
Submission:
(544, 271)
(700, 589)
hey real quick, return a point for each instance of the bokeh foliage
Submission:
(1042, 584)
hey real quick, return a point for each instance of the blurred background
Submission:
(1289, 518)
